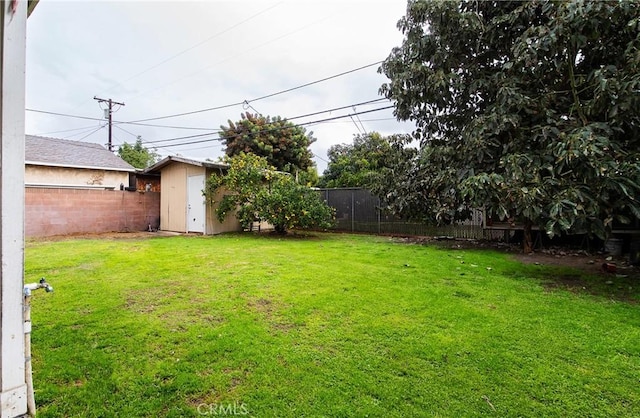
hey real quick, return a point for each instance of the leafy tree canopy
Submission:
(359, 164)
(528, 108)
(284, 145)
(256, 190)
(137, 154)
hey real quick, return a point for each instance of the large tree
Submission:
(137, 154)
(527, 108)
(359, 163)
(283, 144)
(255, 190)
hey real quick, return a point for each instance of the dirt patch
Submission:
(108, 236)
(593, 273)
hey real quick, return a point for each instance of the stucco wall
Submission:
(56, 211)
(61, 176)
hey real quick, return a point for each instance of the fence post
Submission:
(353, 212)
(378, 210)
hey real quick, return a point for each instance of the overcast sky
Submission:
(163, 58)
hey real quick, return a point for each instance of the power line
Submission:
(319, 157)
(142, 140)
(162, 126)
(288, 119)
(337, 108)
(181, 137)
(258, 98)
(219, 130)
(62, 114)
(65, 130)
(243, 52)
(196, 45)
(317, 81)
(357, 127)
(91, 133)
(358, 117)
(316, 122)
(91, 129)
(139, 121)
(345, 116)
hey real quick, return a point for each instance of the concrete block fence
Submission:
(66, 211)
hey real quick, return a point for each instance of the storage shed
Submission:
(183, 207)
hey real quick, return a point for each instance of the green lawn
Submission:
(326, 325)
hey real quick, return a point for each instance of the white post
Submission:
(13, 395)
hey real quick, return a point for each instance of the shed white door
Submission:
(195, 204)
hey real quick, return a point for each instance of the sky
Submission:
(162, 58)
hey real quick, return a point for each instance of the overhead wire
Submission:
(316, 122)
(354, 122)
(364, 130)
(288, 119)
(91, 133)
(198, 44)
(114, 121)
(62, 114)
(257, 98)
(113, 86)
(139, 121)
(83, 132)
(243, 52)
(141, 139)
(65, 130)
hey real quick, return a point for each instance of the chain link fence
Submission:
(357, 210)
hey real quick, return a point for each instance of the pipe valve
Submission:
(42, 284)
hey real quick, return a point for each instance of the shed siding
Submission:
(213, 226)
(174, 201)
(173, 198)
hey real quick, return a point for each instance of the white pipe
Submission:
(28, 369)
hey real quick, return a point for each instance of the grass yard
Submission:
(327, 325)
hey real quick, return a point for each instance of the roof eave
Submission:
(87, 167)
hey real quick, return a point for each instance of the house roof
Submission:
(171, 159)
(55, 152)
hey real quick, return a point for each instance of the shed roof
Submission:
(170, 159)
(56, 152)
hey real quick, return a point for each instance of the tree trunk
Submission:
(527, 243)
(280, 229)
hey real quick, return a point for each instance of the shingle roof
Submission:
(63, 153)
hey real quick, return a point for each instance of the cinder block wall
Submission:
(51, 211)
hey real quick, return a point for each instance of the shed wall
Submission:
(173, 199)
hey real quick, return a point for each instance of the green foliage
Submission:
(284, 145)
(359, 164)
(529, 109)
(137, 154)
(256, 190)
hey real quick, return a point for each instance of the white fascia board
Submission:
(87, 167)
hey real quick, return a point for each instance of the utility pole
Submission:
(110, 103)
